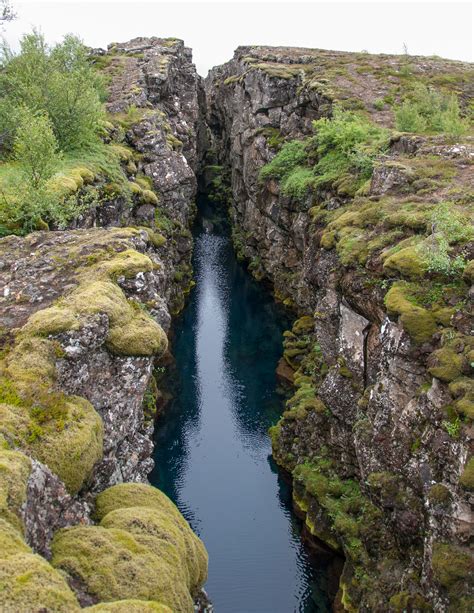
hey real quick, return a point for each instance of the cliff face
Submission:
(85, 313)
(377, 434)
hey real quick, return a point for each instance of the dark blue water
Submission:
(212, 447)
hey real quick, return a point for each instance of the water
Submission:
(212, 448)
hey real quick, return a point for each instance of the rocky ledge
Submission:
(85, 313)
(378, 431)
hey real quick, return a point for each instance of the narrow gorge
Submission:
(136, 347)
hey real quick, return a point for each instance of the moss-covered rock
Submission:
(467, 476)
(453, 567)
(408, 262)
(417, 321)
(15, 469)
(446, 364)
(69, 445)
(129, 606)
(29, 583)
(143, 549)
(167, 535)
(115, 566)
(439, 494)
(11, 542)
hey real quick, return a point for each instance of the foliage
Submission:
(51, 119)
(347, 143)
(35, 147)
(448, 227)
(427, 110)
(292, 155)
(57, 81)
(345, 147)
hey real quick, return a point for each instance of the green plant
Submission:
(448, 227)
(427, 110)
(58, 81)
(452, 427)
(291, 155)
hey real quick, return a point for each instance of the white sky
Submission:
(215, 29)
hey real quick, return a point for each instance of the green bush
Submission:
(35, 147)
(427, 110)
(57, 81)
(291, 155)
(345, 146)
(448, 228)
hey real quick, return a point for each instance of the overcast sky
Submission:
(215, 29)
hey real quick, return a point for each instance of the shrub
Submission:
(448, 227)
(290, 156)
(35, 147)
(345, 146)
(57, 81)
(427, 110)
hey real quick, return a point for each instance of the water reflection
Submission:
(212, 449)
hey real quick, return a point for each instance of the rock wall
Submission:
(374, 435)
(85, 313)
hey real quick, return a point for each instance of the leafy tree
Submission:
(59, 82)
(35, 148)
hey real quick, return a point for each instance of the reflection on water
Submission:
(212, 448)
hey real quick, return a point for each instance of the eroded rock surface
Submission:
(379, 472)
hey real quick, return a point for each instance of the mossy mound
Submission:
(119, 506)
(69, 445)
(15, 469)
(129, 606)
(29, 583)
(453, 568)
(143, 549)
(125, 495)
(11, 542)
(447, 364)
(417, 321)
(115, 566)
(167, 535)
(408, 262)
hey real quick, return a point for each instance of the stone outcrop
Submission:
(377, 434)
(85, 313)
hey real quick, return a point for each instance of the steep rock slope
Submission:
(378, 432)
(84, 315)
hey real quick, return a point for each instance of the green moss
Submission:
(409, 262)
(439, 494)
(127, 495)
(405, 601)
(70, 447)
(15, 469)
(168, 535)
(328, 240)
(29, 583)
(144, 182)
(143, 549)
(129, 606)
(149, 197)
(11, 542)
(447, 364)
(51, 321)
(417, 321)
(452, 566)
(467, 476)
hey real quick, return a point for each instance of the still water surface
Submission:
(212, 447)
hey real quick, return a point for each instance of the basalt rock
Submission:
(370, 435)
(85, 313)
